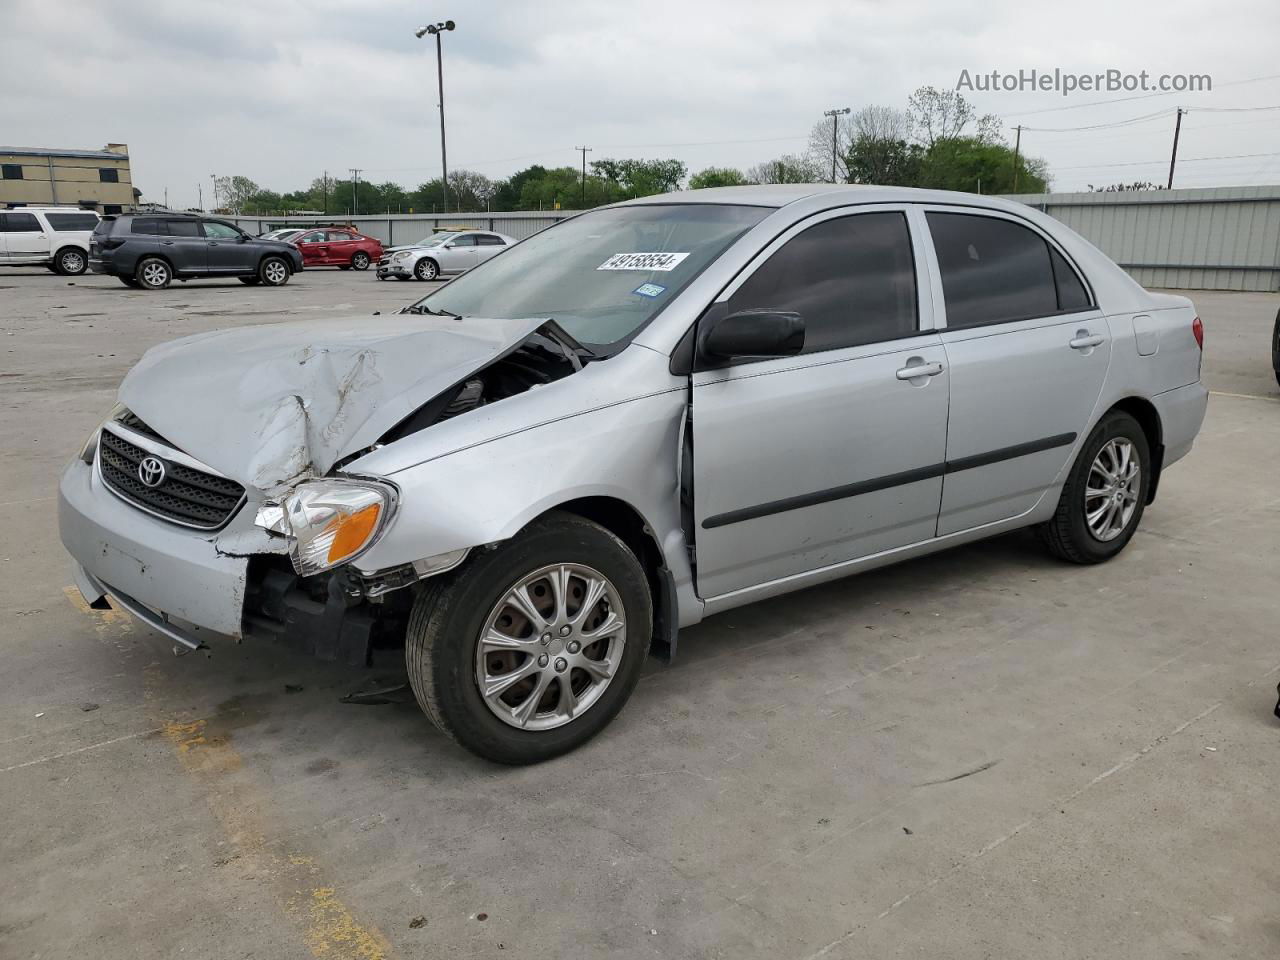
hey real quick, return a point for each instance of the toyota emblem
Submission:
(151, 471)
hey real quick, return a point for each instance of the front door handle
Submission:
(167, 243)
(1083, 341)
(914, 371)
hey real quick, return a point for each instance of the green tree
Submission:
(891, 163)
(944, 115)
(717, 177)
(641, 178)
(234, 191)
(967, 163)
(264, 201)
(789, 168)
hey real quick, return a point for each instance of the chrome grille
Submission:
(187, 496)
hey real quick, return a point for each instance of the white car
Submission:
(442, 253)
(54, 237)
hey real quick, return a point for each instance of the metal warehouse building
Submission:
(92, 179)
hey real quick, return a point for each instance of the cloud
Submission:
(281, 91)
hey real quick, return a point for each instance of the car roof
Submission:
(32, 208)
(782, 194)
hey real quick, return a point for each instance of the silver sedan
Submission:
(640, 417)
(443, 254)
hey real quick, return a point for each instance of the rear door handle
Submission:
(915, 371)
(167, 243)
(1085, 342)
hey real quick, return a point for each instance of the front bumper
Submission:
(153, 567)
(390, 268)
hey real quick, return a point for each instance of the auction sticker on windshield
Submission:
(643, 261)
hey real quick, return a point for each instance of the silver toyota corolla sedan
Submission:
(644, 415)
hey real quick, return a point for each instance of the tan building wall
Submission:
(70, 177)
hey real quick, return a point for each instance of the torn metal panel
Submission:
(271, 405)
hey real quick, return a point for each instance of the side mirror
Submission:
(751, 333)
(450, 245)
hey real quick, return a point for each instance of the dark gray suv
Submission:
(151, 250)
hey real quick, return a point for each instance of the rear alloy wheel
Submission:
(360, 260)
(1105, 493)
(426, 269)
(530, 649)
(153, 273)
(71, 262)
(274, 272)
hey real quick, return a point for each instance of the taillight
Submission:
(110, 243)
(1197, 330)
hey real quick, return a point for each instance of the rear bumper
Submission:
(97, 265)
(1181, 412)
(154, 569)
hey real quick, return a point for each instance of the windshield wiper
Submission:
(423, 308)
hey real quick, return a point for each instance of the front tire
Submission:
(360, 260)
(1275, 348)
(250, 281)
(273, 271)
(531, 649)
(71, 261)
(153, 273)
(426, 269)
(1105, 494)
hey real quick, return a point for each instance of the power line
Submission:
(1103, 126)
(1147, 163)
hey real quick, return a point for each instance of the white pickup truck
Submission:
(54, 237)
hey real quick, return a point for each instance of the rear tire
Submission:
(250, 281)
(360, 260)
(71, 261)
(426, 269)
(442, 647)
(129, 282)
(273, 271)
(153, 273)
(1105, 494)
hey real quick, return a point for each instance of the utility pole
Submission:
(1017, 150)
(324, 191)
(585, 151)
(200, 194)
(835, 138)
(1177, 129)
(214, 178)
(355, 190)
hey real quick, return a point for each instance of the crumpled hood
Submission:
(271, 405)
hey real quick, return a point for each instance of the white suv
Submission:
(55, 237)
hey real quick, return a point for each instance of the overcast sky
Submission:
(281, 91)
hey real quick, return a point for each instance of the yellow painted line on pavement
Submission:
(329, 928)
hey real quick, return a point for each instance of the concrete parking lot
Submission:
(980, 754)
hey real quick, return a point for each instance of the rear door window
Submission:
(993, 270)
(316, 236)
(488, 240)
(220, 231)
(183, 228)
(336, 236)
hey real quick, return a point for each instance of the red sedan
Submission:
(339, 247)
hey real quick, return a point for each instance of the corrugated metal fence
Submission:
(1221, 238)
(1218, 238)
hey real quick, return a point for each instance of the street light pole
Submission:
(835, 141)
(436, 29)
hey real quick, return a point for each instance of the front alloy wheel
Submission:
(426, 269)
(530, 648)
(274, 272)
(551, 646)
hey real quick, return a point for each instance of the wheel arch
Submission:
(627, 523)
(141, 258)
(428, 259)
(1148, 417)
(57, 254)
(268, 254)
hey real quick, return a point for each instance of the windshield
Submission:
(434, 240)
(601, 275)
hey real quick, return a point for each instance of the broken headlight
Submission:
(334, 521)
